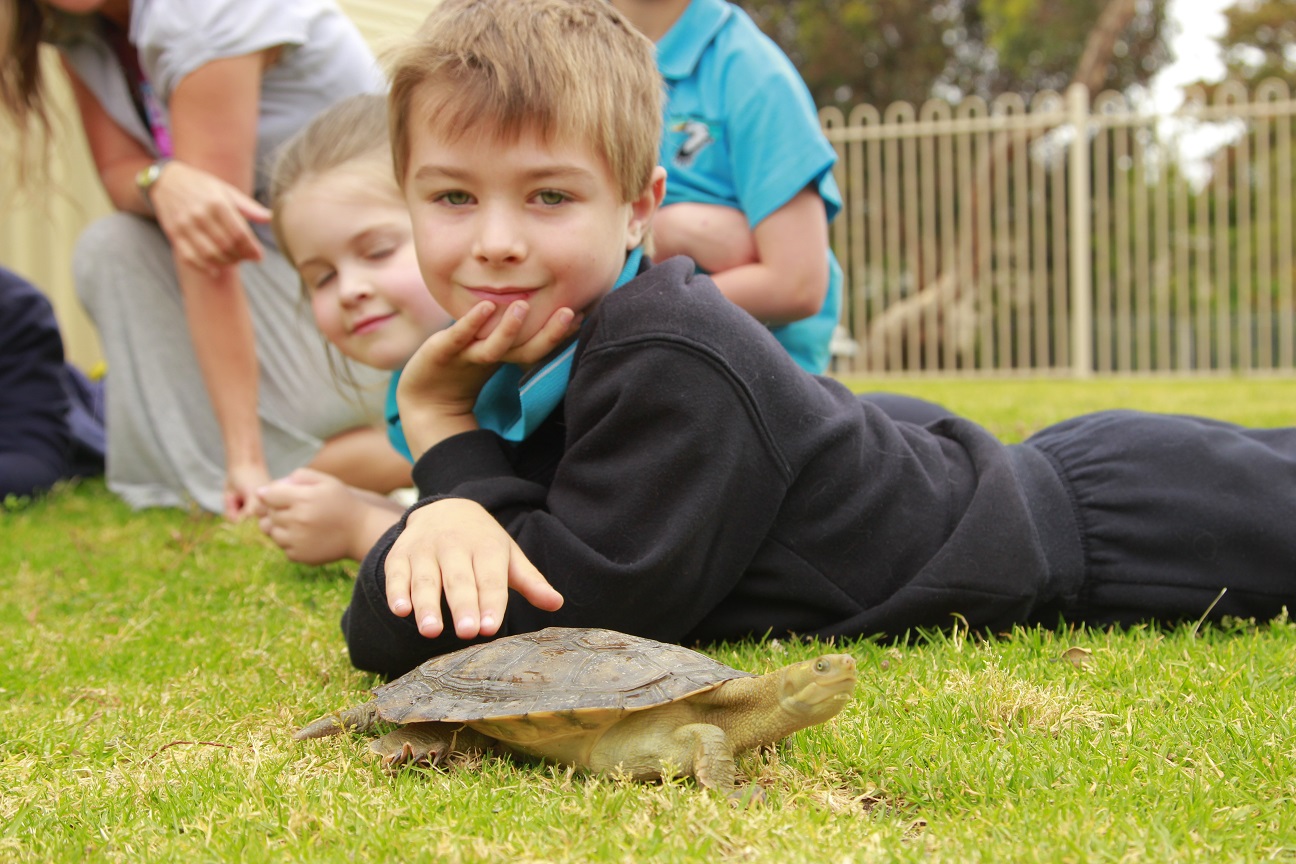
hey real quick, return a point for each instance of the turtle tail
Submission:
(361, 718)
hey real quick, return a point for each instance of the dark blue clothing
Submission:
(699, 486)
(51, 416)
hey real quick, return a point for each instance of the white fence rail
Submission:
(1068, 237)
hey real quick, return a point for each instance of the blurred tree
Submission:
(1260, 40)
(849, 51)
(881, 51)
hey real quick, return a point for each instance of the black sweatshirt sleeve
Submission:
(663, 493)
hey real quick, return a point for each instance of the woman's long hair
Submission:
(24, 26)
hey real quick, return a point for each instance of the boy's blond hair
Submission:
(567, 70)
(351, 131)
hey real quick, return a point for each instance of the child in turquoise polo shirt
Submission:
(749, 185)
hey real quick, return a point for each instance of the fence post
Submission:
(1077, 97)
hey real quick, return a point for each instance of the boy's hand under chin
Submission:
(440, 384)
(456, 547)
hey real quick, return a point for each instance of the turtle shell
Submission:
(576, 673)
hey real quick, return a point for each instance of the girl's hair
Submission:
(350, 133)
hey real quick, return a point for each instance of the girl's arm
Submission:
(716, 237)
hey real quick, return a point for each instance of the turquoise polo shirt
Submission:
(742, 131)
(391, 413)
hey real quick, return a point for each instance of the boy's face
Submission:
(523, 220)
(355, 253)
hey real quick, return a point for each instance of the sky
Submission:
(1197, 55)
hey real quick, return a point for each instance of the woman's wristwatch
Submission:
(146, 177)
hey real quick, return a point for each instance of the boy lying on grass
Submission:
(653, 452)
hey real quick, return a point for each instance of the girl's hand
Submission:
(310, 515)
(440, 384)
(456, 547)
(205, 218)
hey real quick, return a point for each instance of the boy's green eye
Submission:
(456, 198)
(550, 197)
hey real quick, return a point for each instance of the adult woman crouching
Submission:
(218, 380)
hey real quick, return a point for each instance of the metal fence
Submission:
(1066, 236)
(1059, 237)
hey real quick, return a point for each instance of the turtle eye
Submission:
(821, 665)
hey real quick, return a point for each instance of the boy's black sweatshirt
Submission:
(697, 485)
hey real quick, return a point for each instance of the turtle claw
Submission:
(742, 797)
(393, 762)
(409, 755)
(417, 744)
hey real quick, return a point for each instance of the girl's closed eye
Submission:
(319, 280)
(379, 251)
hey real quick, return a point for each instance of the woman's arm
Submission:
(117, 156)
(201, 201)
(214, 113)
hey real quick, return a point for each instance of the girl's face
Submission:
(355, 253)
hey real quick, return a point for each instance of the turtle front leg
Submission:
(704, 751)
(426, 744)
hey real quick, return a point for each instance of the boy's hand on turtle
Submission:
(456, 548)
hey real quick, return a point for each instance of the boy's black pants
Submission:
(1171, 509)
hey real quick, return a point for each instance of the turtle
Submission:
(599, 700)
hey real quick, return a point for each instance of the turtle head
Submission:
(817, 689)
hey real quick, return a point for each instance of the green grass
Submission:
(153, 666)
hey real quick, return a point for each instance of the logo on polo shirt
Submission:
(697, 135)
